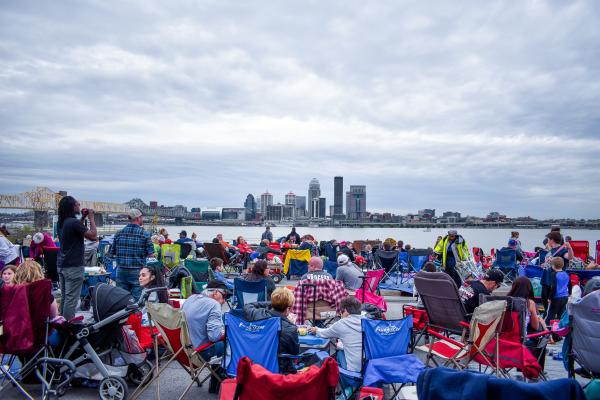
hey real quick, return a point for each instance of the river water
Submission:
(416, 237)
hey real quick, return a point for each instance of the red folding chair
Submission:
(255, 382)
(581, 249)
(174, 333)
(370, 289)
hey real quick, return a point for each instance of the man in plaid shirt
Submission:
(131, 246)
(331, 291)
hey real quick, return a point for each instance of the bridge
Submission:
(42, 199)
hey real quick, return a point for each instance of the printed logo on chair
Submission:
(251, 327)
(387, 330)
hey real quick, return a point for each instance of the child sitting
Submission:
(216, 264)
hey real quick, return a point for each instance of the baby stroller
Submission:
(104, 351)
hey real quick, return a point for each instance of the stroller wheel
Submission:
(113, 388)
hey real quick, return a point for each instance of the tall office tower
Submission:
(300, 206)
(314, 192)
(322, 207)
(290, 199)
(338, 197)
(266, 199)
(356, 202)
(250, 206)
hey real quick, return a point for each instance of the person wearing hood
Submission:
(452, 249)
(38, 242)
(348, 273)
(293, 237)
(282, 301)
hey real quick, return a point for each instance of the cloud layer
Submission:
(452, 106)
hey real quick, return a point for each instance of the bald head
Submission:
(315, 264)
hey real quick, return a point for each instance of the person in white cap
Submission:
(348, 273)
(131, 246)
(40, 241)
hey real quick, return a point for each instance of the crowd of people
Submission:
(132, 246)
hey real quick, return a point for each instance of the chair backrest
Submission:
(216, 250)
(249, 291)
(515, 317)
(24, 311)
(296, 262)
(581, 249)
(50, 267)
(485, 323)
(372, 279)
(199, 270)
(330, 252)
(477, 254)
(597, 250)
(542, 256)
(386, 338)
(170, 255)
(255, 382)
(417, 258)
(331, 267)
(386, 259)
(506, 258)
(173, 328)
(257, 340)
(441, 300)
(186, 249)
(586, 325)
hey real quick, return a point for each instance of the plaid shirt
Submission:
(131, 246)
(331, 291)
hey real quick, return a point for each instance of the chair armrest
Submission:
(538, 334)
(350, 374)
(464, 324)
(444, 338)
(207, 345)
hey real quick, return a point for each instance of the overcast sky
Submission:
(463, 106)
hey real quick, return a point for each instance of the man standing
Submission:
(453, 249)
(131, 246)
(71, 232)
(267, 234)
(293, 237)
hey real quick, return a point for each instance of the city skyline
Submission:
(471, 107)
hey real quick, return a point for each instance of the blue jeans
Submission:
(214, 351)
(128, 279)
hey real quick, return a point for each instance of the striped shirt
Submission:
(131, 246)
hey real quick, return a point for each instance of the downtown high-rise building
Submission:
(266, 199)
(314, 192)
(290, 199)
(300, 206)
(338, 197)
(356, 202)
(250, 206)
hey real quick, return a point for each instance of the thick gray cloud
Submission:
(456, 106)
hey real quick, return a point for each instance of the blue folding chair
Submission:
(330, 252)
(506, 261)
(542, 257)
(417, 258)
(331, 267)
(385, 355)
(257, 340)
(249, 292)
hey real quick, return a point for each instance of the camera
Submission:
(84, 212)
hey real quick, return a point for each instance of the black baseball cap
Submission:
(219, 285)
(494, 275)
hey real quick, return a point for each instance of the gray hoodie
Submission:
(349, 331)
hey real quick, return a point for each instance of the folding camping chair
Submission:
(389, 261)
(169, 255)
(200, 272)
(597, 253)
(581, 249)
(485, 326)
(506, 261)
(370, 288)
(510, 350)
(330, 252)
(49, 262)
(216, 250)
(417, 258)
(25, 312)
(445, 311)
(584, 341)
(385, 356)
(249, 292)
(242, 337)
(318, 301)
(173, 328)
(296, 262)
(186, 249)
(255, 382)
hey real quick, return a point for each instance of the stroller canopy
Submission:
(108, 300)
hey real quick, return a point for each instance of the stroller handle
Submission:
(146, 293)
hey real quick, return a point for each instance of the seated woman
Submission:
(30, 271)
(152, 277)
(523, 288)
(259, 272)
(8, 275)
(264, 249)
(282, 301)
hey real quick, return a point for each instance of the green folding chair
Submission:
(199, 270)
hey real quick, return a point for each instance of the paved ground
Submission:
(175, 379)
